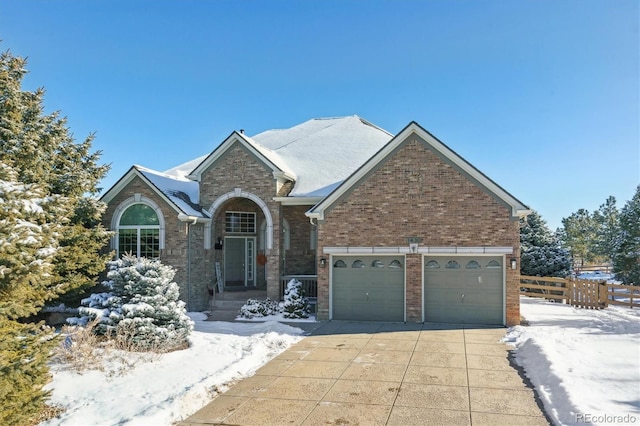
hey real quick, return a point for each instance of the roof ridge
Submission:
(163, 174)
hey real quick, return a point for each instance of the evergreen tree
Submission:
(607, 220)
(579, 235)
(28, 244)
(295, 305)
(41, 150)
(144, 304)
(626, 258)
(540, 250)
(50, 235)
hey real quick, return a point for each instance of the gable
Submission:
(182, 195)
(414, 133)
(262, 155)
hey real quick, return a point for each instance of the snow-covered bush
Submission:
(143, 305)
(295, 305)
(255, 308)
(95, 307)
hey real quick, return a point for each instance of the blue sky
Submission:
(542, 96)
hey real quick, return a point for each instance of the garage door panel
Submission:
(369, 292)
(470, 293)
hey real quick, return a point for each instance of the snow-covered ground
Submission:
(585, 364)
(172, 386)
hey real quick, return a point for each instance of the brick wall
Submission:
(300, 258)
(417, 194)
(175, 250)
(238, 168)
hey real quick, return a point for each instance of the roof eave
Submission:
(134, 172)
(298, 201)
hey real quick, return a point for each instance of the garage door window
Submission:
(452, 264)
(493, 264)
(472, 264)
(395, 264)
(377, 264)
(358, 264)
(432, 264)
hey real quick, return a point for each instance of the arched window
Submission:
(472, 264)
(139, 232)
(339, 264)
(452, 264)
(377, 264)
(358, 264)
(493, 264)
(432, 264)
(395, 264)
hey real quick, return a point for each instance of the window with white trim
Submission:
(139, 232)
(240, 222)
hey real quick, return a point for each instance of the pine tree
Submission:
(41, 150)
(607, 221)
(50, 233)
(540, 250)
(626, 258)
(295, 305)
(28, 244)
(144, 303)
(579, 235)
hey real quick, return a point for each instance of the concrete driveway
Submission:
(355, 373)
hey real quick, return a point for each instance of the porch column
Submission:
(273, 255)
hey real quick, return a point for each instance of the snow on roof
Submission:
(322, 152)
(184, 169)
(182, 192)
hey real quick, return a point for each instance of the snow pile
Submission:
(598, 276)
(585, 364)
(174, 385)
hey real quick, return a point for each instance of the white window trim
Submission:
(238, 193)
(422, 250)
(123, 206)
(253, 214)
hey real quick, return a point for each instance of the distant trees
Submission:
(50, 233)
(626, 248)
(540, 251)
(606, 235)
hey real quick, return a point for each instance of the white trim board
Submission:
(421, 250)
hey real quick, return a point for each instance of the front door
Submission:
(239, 262)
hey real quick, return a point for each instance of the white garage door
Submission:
(368, 288)
(464, 289)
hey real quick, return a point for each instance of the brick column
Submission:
(273, 255)
(413, 271)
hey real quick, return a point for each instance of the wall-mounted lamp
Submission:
(218, 245)
(514, 263)
(413, 244)
(323, 262)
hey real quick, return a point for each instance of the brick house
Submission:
(377, 226)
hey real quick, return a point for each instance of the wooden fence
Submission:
(581, 293)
